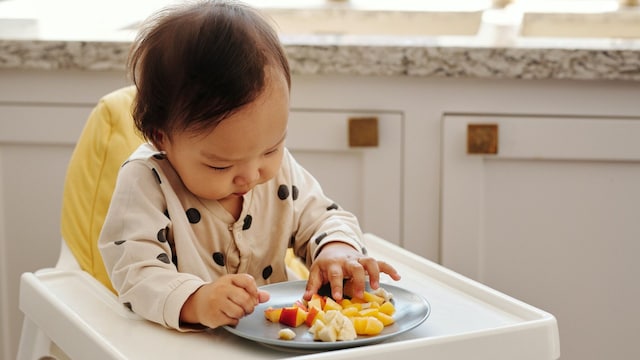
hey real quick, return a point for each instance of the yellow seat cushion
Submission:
(107, 140)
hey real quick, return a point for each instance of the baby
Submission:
(204, 212)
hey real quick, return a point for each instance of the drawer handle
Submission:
(482, 138)
(363, 132)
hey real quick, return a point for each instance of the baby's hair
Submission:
(195, 64)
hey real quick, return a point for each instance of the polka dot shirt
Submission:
(160, 243)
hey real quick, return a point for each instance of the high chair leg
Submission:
(34, 344)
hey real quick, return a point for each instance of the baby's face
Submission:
(244, 150)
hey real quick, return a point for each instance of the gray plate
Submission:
(411, 311)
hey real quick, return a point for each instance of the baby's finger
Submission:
(313, 283)
(242, 300)
(336, 277)
(370, 265)
(357, 278)
(233, 311)
(263, 296)
(389, 270)
(248, 284)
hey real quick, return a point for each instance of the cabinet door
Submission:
(552, 219)
(36, 143)
(364, 180)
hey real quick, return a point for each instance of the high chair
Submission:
(71, 311)
(106, 141)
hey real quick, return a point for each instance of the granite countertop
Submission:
(496, 51)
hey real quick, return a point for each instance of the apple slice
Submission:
(272, 314)
(301, 305)
(313, 315)
(292, 316)
(331, 304)
(316, 301)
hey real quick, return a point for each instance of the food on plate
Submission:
(333, 327)
(286, 334)
(330, 320)
(292, 316)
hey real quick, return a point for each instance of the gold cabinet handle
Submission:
(482, 138)
(363, 132)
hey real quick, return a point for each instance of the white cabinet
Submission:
(365, 180)
(551, 219)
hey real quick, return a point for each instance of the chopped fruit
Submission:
(384, 318)
(329, 320)
(369, 297)
(368, 312)
(317, 301)
(323, 332)
(313, 315)
(350, 304)
(372, 305)
(292, 316)
(272, 314)
(301, 305)
(286, 334)
(335, 326)
(387, 308)
(331, 304)
(350, 311)
(387, 296)
(367, 325)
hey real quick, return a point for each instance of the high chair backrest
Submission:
(108, 138)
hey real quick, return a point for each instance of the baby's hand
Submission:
(223, 302)
(339, 261)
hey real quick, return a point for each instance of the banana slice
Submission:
(286, 334)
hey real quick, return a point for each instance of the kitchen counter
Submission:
(497, 50)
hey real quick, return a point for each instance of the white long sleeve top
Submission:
(160, 242)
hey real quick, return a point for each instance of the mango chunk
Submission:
(387, 308)
(367, 325)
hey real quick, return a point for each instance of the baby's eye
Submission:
(271, 151)
(217, 168)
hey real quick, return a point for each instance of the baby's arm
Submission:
(223, 302)
(331, 240)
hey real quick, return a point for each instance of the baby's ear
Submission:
(157, 138)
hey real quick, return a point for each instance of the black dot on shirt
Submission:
(162, 235)
(218, 257)
(160, 156)
(128, 306)
(193, 215)
(320, 237)
(155, 173)
(294, 192)
(164, 258)
(283, 192)
(267, 272)
(247, 222)
(333, 206)
(364, 251)
(119, 242)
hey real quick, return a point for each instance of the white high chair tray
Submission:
(467, 320)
